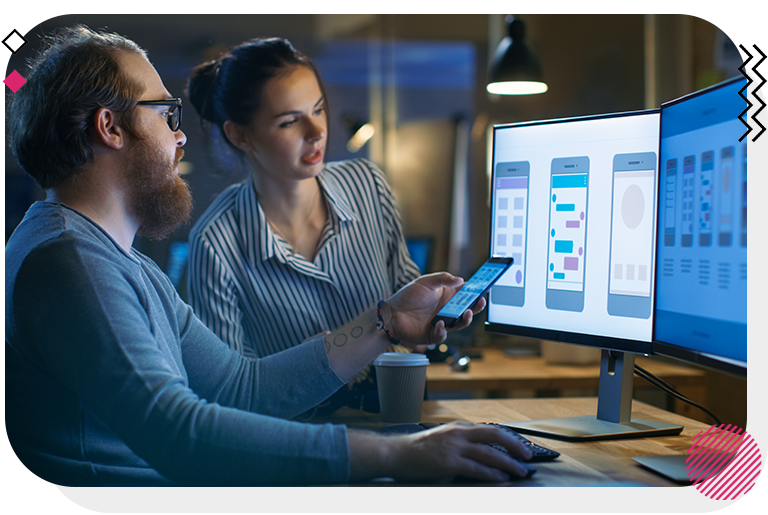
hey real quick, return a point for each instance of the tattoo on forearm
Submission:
(340, 340)
(357, 332)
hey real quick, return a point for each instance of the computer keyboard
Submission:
(539, 453)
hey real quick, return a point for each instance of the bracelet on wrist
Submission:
(380, 324)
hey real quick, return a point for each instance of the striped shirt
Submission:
(248, 287)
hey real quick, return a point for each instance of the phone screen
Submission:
(670, 191)
(705, 198)
(509, 231)
(744, 195)
(689, 167)
(567, 234)
(725, 182)
(630, 273)
(473, 289)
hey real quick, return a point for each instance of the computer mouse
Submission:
(531, 471)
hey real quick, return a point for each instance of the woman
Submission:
(302, 246)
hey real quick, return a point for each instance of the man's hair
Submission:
(50, 117)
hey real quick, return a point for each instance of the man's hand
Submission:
(408, 313)
(443, 452)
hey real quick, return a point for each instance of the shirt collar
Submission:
(337, 201)
(261, 242)
(256, 234)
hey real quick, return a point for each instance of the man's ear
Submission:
(237, 135)
(106, 129)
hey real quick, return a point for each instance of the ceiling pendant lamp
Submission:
(515, 69)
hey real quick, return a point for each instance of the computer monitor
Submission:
(701, 280)
(701, 277)
(420, 250)
(574, 202)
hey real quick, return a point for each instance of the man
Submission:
(110, 378)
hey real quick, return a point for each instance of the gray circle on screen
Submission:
(632, 206)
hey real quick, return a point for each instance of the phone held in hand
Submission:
(477, 286)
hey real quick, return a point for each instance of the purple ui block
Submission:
(572, 224)
(571, 263)
(510, 183)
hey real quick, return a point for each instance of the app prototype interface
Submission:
(702, 275)
(510, 229)
(567, 231)
(472, 289)
(575, 201)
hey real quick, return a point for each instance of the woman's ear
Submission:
(106, 129)
(237, 135)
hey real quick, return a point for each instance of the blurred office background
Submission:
(419, 80)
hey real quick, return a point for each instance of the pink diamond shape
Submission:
(15, 81)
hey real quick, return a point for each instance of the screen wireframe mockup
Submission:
(574, 201)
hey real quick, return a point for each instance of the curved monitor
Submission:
(574, 202)
(701, 280)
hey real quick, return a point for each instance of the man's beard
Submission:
(159, 198)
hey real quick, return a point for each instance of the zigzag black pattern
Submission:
(754, 93)
(749, 104)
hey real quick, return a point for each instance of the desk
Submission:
(602, 463)
(497, 373)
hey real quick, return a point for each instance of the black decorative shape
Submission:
(14, 31)
(754, 93)
(749, 104)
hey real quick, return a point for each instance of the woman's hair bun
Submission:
(200, 86)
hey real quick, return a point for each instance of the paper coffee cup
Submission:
(400, 377)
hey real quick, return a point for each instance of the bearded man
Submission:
(110, 377)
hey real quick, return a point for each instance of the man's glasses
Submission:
(173, 115)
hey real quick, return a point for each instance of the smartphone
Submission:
(476, 287)
(633, 209)
(670, 192)
(705, 198)
(726, 181)
(689, 168)
(509, 231)
(568, 219)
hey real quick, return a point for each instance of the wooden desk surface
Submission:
(600, 463)
(498, 371)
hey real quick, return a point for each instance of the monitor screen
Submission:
(701, 282)
(574, 202)
(420, 250)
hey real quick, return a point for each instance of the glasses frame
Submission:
(173, 118)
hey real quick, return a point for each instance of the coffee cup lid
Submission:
(401, 359)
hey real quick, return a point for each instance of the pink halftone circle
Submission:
(724, 462)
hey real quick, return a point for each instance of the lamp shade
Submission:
(359, 132)
(515, 69)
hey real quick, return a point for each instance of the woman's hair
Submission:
(230, 87)
(50, 117)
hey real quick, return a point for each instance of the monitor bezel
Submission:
(590, 340)
(662, 348)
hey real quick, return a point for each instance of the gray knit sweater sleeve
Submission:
(126, 381)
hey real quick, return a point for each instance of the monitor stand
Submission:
(614, 409)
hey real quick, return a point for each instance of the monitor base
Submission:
(589, 427)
